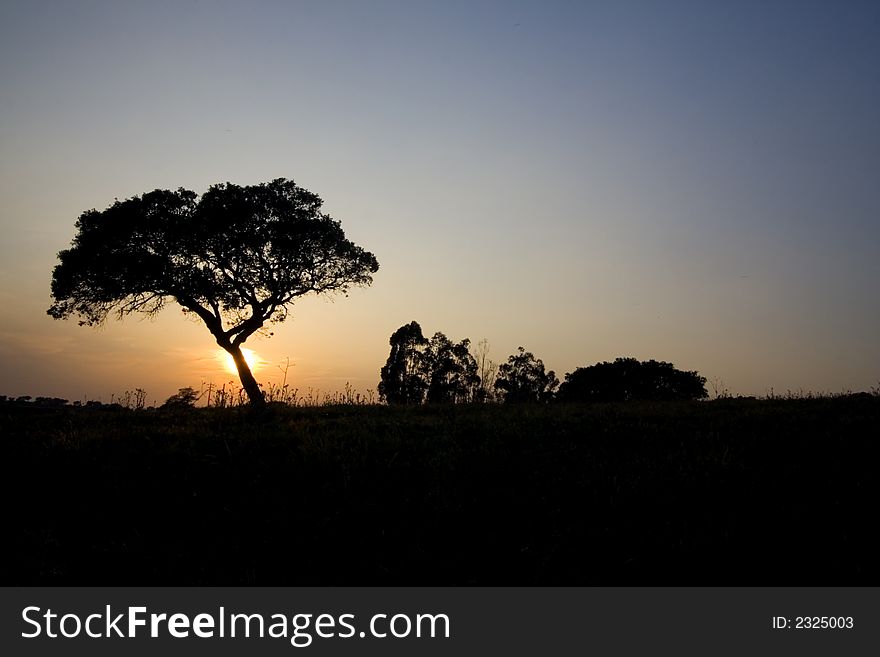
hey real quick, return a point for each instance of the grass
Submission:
(753, 492)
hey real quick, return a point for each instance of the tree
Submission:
(523, 379)
(487, 370)
(237, 258)
(402, 381)
(627, 379)
(450, 370)
(436, 370)
(183, 398)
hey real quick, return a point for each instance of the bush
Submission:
(627, 379)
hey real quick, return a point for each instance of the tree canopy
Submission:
(183, 398)
(236, 257)
(523, 379)
(627, 379)
(436, 370)
(401, 377)
(450, 370)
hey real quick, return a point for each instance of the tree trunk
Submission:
(248, 382)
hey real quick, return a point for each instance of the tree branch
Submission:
(212, 321)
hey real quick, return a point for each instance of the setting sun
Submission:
(250, 356)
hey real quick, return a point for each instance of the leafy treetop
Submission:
(523, 379)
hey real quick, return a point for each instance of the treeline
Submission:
(41, 402)
(134, 400)
(437, 370)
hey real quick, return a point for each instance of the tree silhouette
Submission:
(628, 379)
(436, 370)
(402, 381)
(237, 258)
(450, 370)
(487, 370)
(183, 398)
(523, 379)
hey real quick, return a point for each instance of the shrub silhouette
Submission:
(627, 379)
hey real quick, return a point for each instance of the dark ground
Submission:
(729, 492)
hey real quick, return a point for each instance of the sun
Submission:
(250, 357)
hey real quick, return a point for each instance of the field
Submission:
(728, 492)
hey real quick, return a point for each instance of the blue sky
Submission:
(688, 181)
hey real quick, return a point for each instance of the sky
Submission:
(696, 181)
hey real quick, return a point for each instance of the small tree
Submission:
(402, 381)
(236, 258)
(523, 379)
(627, 379)
(183, 398)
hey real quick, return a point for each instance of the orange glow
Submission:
(250, 357)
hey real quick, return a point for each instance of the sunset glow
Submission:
(250, 357)
(586, 180)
